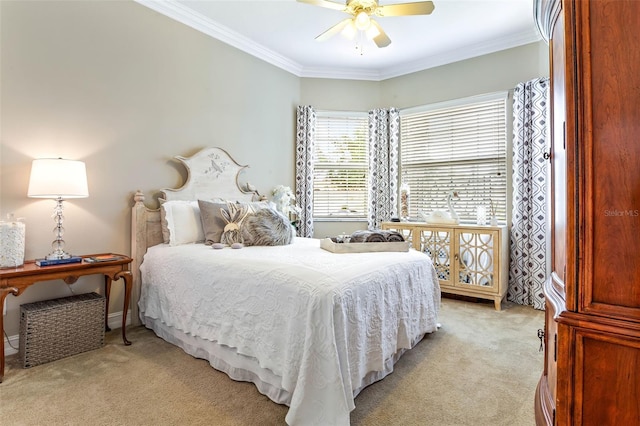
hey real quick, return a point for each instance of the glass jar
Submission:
(12, 236)
(405, 194)
(481, 215)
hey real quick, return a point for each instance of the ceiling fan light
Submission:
(372, 32)
(349, 31)
(362, 20)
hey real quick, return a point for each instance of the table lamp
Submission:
(58, 179)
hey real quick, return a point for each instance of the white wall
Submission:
(125, 89)
(485, 74)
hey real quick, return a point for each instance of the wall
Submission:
(485, 74)
(125, 89)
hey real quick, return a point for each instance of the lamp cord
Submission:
(8, 341)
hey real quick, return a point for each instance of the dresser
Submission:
(470, 260)
(591, 372)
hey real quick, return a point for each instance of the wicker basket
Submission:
(57, 328)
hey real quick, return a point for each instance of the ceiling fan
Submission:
(362, 11)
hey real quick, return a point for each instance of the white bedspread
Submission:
(318, 321)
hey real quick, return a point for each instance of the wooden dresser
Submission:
(592, 327)
(470, 260)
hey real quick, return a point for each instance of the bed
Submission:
(308, 327)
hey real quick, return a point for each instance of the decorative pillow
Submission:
(181, 223)
(213, 221)
(233, 215)
(267, 227)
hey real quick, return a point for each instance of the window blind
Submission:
(341, 165)
(461, 147)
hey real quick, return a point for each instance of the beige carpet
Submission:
(480, 368)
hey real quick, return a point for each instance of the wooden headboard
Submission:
(211, 173)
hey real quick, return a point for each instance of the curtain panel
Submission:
(305, 137)
(528, 267)
(384, 136)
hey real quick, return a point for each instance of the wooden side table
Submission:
(15, 280)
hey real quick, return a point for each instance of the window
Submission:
(341, 165)
(459, 146)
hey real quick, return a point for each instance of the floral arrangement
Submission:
(285, 200)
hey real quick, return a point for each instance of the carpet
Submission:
(481, 368)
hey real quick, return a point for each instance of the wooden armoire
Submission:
(592, 327)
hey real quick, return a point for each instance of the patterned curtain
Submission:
(305, 138)
(528, 265)
(384, 134)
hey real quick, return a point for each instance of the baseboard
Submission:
(114, 320)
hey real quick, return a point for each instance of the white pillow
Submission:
(183, 223)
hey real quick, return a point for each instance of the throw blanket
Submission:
(377, 236)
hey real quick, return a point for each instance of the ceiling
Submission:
(282, 32)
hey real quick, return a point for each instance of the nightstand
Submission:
(15, 280)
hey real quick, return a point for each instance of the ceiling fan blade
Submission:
(325, 3)
(382, 39)
(403, 9)
(333, 30)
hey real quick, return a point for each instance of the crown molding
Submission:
(468, 52)
(199, 22)
(341, 73)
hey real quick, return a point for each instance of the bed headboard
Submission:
(211, 173)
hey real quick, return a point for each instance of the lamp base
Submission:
(58, 254)
(58, 244)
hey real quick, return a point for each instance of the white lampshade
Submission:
(362, 21)
(350, 30)
(58, 178)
